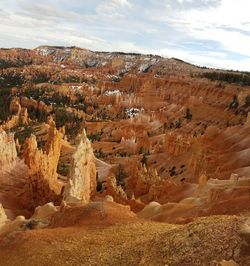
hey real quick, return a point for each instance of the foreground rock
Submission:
(206, 241)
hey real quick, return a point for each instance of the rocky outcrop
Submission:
(37, 105)
(24, 117)
(177, 144)
(21, 118)
(15, 107)
(248, 118)
(82, 174)
(198, 161)
(8, 153)
(111, 188)
(44, 212)
(40, 219)
(3, 217)
(202, 183)
(43, 182)
(19, 115)
(142, 181)
(11, 122)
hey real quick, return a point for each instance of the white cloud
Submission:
(205, 32)
(113, 8)
(122, 2)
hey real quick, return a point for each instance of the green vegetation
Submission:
(141, 150)
(188, 115)
(238, 78)
(103, 114)
(172, 171)
(10, 79)
(62, 168)
(47, 96)
(123, 154)
(95, 136)
(36, 114)
(120, 176)
(234, 103)
(71, 79)
(22, 133)
(71, 122)
(175, 172)
(18, 63)
(247, 101)
(5, 97)
(42, 77)
(32, 224)
(178, 124)
(36, 93)
(144, 159)
(100, 154)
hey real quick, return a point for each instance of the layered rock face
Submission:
(8, 153)
(82, 173)
(43, 180)
(177, 144)
(3, 217)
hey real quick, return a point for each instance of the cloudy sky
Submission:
(205, 32)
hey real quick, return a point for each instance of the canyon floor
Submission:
(122, 159)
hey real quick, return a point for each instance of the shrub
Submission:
(4, 103)
(239, 78)
(234, 103)
(188, 115)
(247, 100)
(120, 176)
(144, 159)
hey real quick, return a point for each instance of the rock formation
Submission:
(82, 174)
(115, 191)
(3, 217)
(44, 212)
(37, 105)
(198, 161)
(43, 182)
(15, 107)
(176, 145)
(143, 180)
(202, 183)
(8, 153)
(19, 115)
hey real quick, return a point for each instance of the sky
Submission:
(213, 33)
